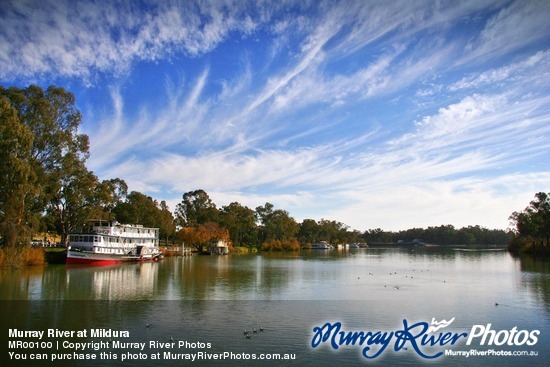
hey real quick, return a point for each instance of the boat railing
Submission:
(121, 232)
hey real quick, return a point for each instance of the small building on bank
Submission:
(218, 247)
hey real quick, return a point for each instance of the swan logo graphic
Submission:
(439, 325)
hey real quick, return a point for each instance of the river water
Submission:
(199, 307)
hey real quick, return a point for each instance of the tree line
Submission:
(532, 227)
(441, 235)
(45, 186)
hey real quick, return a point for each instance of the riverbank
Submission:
(16, 256)
(528, 246)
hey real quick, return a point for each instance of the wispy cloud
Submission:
(449, 156)
(369, 113)
(514, 26)
(530, 68)
(81, 38)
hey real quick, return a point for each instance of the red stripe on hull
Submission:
(85, 261)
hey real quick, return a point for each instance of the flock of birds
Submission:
(406, 276)
(411, 277)
(248, 335)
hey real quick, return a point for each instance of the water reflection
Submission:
(418, 273)
(213, 298)
(536, 278)
(119, 282)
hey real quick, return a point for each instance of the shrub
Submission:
(284, 245)
(15, 256)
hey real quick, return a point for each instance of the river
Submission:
(200, 307)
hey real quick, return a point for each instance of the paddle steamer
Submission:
(109, 242)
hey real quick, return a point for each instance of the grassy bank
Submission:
(241, 250)
(16, 256)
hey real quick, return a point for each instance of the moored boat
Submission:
(323, 245)
(109, 242)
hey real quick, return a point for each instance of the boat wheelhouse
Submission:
(109, 242)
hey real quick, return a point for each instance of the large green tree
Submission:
(108, 195)
(196, 208)
(241, 223)
(138, 208)
(309, 232)
(74, 197)
(17, 177)
(56, 156)
(333, 231)
(534, 220)
(276, 224)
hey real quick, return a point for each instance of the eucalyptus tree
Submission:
(333, 231)
(73, 196)
(55, 158)
(241, 223)
(276, 224)
(16, 175)
(196, 208)
(534, 220)
(138, 208)
(109, 194)
(309, 231)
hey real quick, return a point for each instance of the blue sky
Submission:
(389, 114)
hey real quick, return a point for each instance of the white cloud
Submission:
(292, 123)
(486, 202)
(514, 26)
(529, 68)
(447, 159)
(80, 38)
